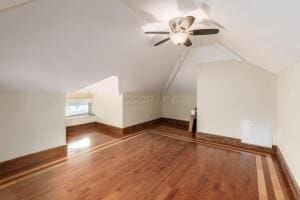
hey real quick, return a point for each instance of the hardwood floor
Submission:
(80, 141)
(155, 165)
(173, 131)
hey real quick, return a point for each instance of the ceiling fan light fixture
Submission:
(179, 38)
(181, 31)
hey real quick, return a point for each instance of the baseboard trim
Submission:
(233, 142)
(81, 127)
(32, 160)
(141, 126)
(292, 183)
(288, 174)
(175, 123)
(27, 173)
(101, 127)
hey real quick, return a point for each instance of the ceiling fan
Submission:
(180, 31)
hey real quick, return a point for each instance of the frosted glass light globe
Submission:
(179, 38)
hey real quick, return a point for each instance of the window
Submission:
(78, 108)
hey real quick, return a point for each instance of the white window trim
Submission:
(89, 101)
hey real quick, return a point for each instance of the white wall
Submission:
(178, 106)
(140, 108)
(80, 120)
(121, 110)
(130, 109)
(231, 91)
(288, 117)
(108, 108)
(31, 123)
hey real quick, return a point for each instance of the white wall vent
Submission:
(256, 132)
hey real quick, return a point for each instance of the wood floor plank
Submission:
(261, 179)
(275, 181)
(165, 193)
(268, 181)
(148, 166)
(114, 195)
(212, 144)
(49, 166)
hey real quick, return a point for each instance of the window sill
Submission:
(81, 116)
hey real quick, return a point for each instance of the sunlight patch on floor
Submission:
(80, 144)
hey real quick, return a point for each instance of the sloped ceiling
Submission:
(66, 45)
(263, 32)
(54, 45)
(185, 81)
(109, 85)
(6, 4)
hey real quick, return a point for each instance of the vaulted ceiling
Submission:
(54, 45)
(8, 4)
(66, 45)
(263, 32)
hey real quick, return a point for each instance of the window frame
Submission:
(79, 101)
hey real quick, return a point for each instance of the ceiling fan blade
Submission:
(162, 41)
(188, 43)
(187, 22)
(181, 24)
(205, 31)
(157, 32)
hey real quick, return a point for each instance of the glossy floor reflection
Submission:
(156, 164)
(81, 141)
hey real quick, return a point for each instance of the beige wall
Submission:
(140, 108)
(178, 106)
(108, 109)
(288, 117)
(231, 91)
(31, 123)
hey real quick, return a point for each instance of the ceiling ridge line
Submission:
(235, 53)
(16, 6)
(182, 56)
(249, 62)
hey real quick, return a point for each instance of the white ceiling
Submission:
(186, 80)
(109, 85)
(66, 45)
(6, 4)
(264, 33)
(56, 45)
